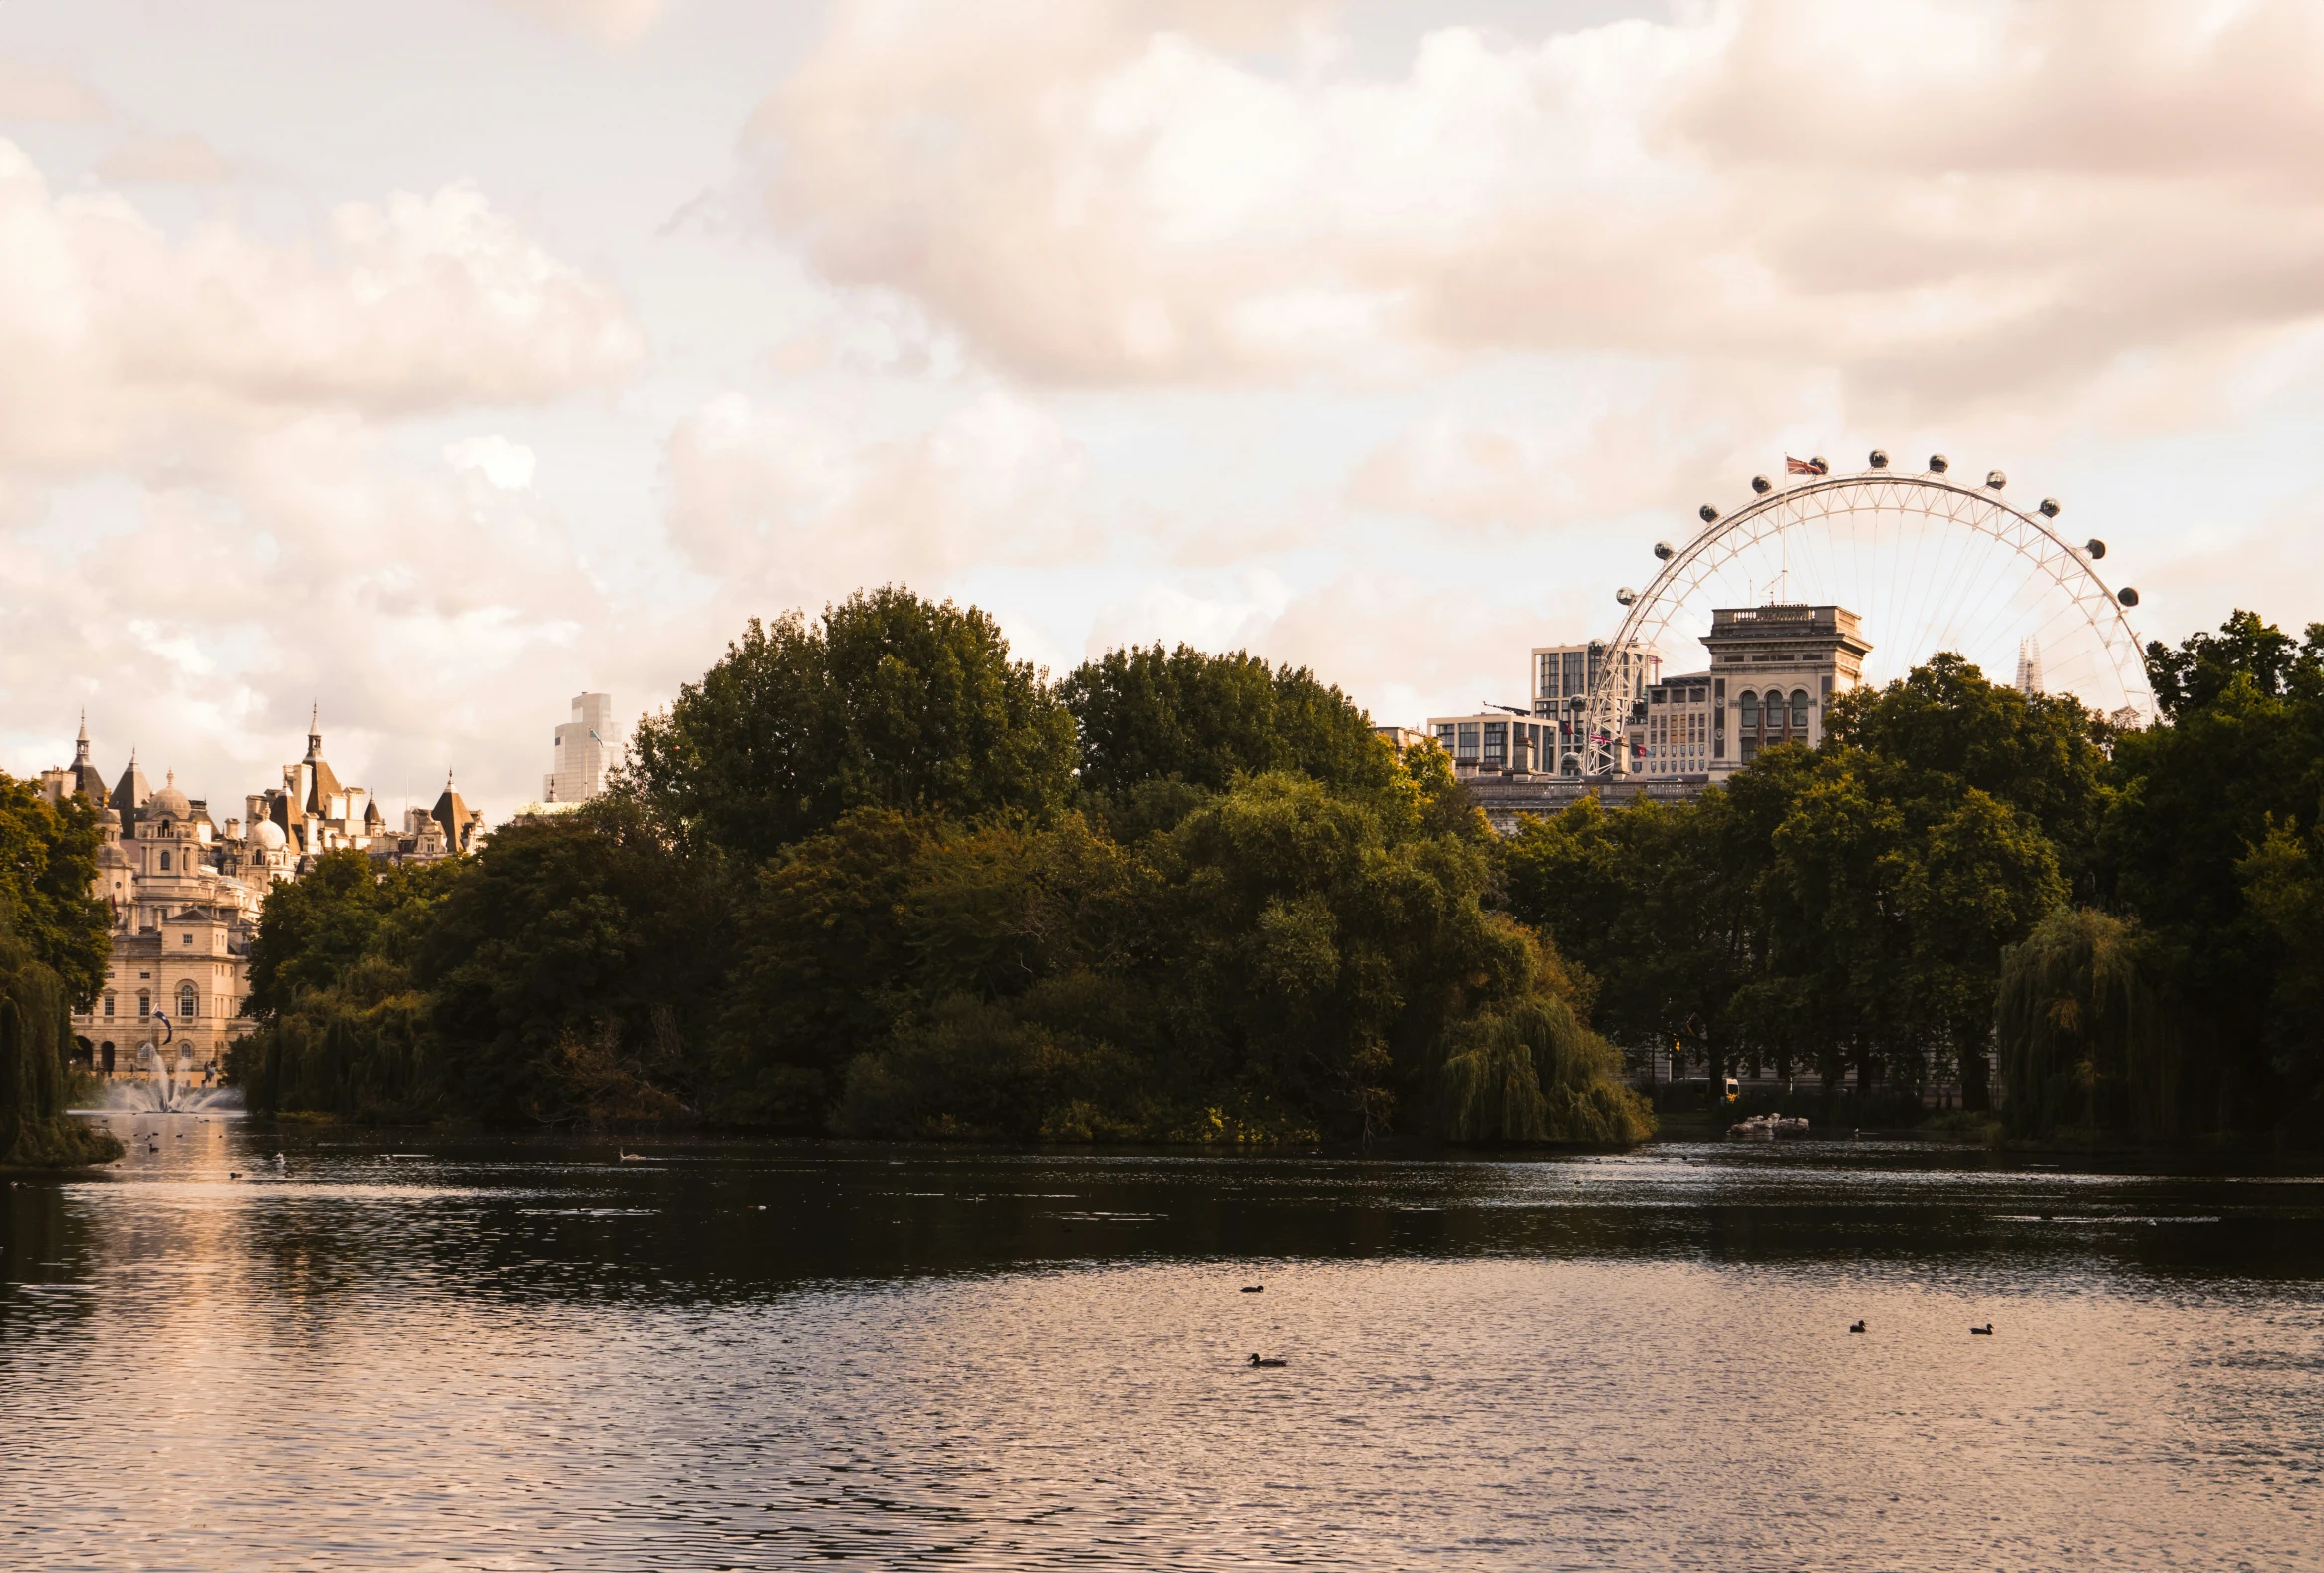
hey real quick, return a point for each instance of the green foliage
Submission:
(888, 701)
(2196, 676)
(35, 1035)
(2085, 1039)
(48, 865)
(844, 888)
(2043, 756)
(575, 951)
(1202, 720)
(1531, 1072)
(340, 913)
(2205, 843)
(1831, 909)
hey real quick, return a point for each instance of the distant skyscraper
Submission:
(582, 751)
(2029, 667)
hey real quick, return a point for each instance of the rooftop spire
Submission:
(81, 744)
(315, 732)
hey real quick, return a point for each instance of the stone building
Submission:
(185, 892)
(1773, 671)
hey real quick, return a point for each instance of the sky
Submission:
(429, 363)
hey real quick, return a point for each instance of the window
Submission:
(1750, 711)
(188, 1002)
(1574, 680)
(1799, 709)
(108, 1007)
(1446, 737)
(185, 939)
(1496, 742)
(1467, 751)
(164, 862)
(144, 1004)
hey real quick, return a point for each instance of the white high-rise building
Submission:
(583, 750)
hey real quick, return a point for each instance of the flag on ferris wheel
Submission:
(1792, 466)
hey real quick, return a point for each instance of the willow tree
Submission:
(2086, 1037)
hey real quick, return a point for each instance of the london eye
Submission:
(1928, 562)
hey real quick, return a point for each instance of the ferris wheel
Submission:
(1926, 562)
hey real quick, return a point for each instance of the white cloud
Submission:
(508, 465)
(778, 503)
(208, 522)
(1964, 201)
(125, 347)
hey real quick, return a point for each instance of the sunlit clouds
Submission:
(438, 365)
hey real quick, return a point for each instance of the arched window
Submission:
(1799, 709)
(1750, 711)
(165, 860)
(187, 1002)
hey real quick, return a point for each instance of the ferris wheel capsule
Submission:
(2094, 547)
(1626, 595)
(2049, 507)
(1879, 459)
(1996, 480)
(1762, 485)
(2127, 595)
(1939, 463)
(1710, 514)
(1664, 550)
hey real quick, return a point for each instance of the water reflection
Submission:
(417, 1350)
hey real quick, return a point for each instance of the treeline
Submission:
(54, 941)
(2091, 930)
(871, 875)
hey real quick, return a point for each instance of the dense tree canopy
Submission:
(1143, 714)
(888, 700)
(48, 865)
(853, 882)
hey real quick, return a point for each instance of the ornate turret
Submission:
(453, 813)
(131, 792)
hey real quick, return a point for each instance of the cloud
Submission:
(609, 24)
(184, 159)
(1973, 202)
(125, 346)
(31, 91)
(774, 502)
(505, 464)
(210, 520)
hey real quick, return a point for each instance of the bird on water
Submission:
(1255, 1288)
(1856, 1327)
(1256, 1361)
(1987, 1330)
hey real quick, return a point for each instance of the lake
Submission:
(408, 1349)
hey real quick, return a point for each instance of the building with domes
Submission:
(185, 891)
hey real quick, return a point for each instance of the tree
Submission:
(2043, 754)
(2242, 762)
(2198, 673)
(888, 701)
(314, 929)
(1202, 720)
(48, 865)
(577, 963)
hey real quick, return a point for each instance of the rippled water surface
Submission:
(403, 1350)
